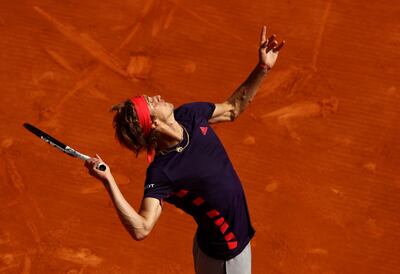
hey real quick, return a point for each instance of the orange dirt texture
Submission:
(318, 150)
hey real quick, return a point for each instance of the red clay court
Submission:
(318, 150)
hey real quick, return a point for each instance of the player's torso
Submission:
(202, 170)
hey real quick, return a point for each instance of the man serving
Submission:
(189, 168)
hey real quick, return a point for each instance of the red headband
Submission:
(143, 114)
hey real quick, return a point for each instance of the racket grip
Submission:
(84, 157)
(101, 167)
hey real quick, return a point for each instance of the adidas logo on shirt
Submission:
(204, 130)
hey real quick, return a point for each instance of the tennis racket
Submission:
(62, 147)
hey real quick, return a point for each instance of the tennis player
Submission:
(189, 168)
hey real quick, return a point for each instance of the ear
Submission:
(154, 123)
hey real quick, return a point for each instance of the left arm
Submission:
(244, 94)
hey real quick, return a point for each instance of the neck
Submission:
(171, 134)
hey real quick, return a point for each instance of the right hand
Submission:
(91, 165)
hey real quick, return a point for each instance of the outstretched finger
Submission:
(263, 35)
(98, 157)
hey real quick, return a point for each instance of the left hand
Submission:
(269, 49)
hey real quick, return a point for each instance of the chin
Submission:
(171, 110)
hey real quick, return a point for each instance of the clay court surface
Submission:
(318, 151)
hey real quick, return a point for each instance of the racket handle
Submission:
(84, 157)
(101, 167)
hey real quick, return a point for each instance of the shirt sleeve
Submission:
(203, 110)
(157, 185)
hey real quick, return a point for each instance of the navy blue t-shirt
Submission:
(201, 181)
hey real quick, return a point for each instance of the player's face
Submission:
(159, 108)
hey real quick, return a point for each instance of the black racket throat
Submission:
(59, 145)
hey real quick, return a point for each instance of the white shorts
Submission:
(203, 264)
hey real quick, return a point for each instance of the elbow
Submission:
(137, 233)
(140, 235)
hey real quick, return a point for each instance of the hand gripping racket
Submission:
(57, 144)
